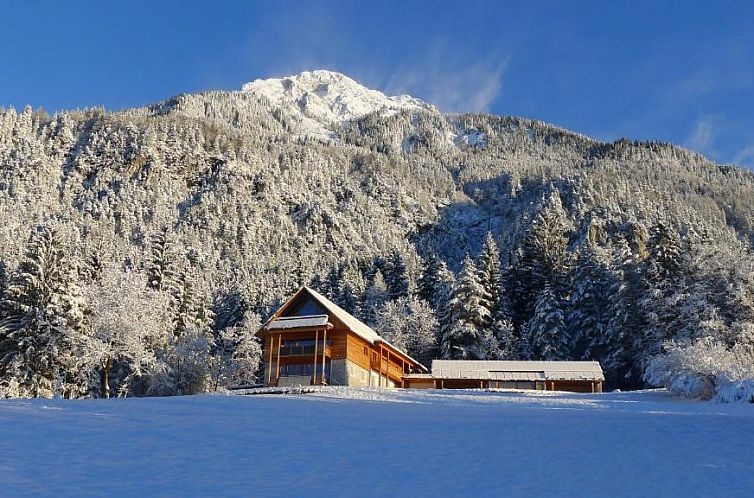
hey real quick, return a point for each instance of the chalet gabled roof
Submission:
(354, 324)
(351, 322)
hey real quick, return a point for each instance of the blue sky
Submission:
(674, 71)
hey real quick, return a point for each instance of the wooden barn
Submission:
(311, 340)
(575, 376)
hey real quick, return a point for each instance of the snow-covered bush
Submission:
(410, 325)
(237, 354)
(705, 369)
(128, 324)
(185, 365)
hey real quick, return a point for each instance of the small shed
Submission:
(575, 376)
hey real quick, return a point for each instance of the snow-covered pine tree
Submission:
(396, 278)
(229, 308)
(540, 260)
(183, 304)
(91, 268)
(349, 300)
(465, 317)
(44, 322)
(664, 273)
(161, 269)
(429, 280)
(374, 297)
(3, 277)
(626, 318)
(332, 283)
(548, 334)
(588, 310)
(489, 275)
(446, 282)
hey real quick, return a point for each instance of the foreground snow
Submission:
(368, 442)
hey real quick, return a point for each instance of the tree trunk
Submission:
(106, 378)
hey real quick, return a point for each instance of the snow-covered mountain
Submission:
(321, 99)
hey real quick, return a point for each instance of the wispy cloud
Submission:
(745, 156)
(703, 136)
(451, 81)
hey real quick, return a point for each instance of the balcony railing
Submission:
(302, 351)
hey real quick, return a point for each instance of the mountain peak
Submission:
(323, 98)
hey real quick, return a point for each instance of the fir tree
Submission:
(161, 267)
(332, 283)
(547, 331)
(664, 285)
(395, 276)
(374, 297)
(44, 321)
(541, 259)
(183, 304)
(229, 308)
(489, 275)
(588, 308)
(429, 280)
(465, 317)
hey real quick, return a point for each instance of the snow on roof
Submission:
(517, 370)
(292, 322)
(354, 324)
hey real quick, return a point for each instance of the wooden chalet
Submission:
(575, 376)
(311, 340)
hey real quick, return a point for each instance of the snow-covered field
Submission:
(362, 442)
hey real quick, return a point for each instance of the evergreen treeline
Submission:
(160, 236)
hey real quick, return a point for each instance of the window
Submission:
(304, 370)
(366, 351)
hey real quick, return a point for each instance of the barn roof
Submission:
(354, 324)
(516, 370)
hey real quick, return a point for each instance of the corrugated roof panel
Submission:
(517, 370)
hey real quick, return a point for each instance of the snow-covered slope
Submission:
(372, 442)
(321, 99)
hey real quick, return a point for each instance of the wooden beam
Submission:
(403, 376)
(324, 348)
(379, 367)
(277, 369)
(270, 340)
(314, 360)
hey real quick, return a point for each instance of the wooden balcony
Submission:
(288, 351)
(387, 368)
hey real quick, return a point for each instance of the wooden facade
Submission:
(310, 340)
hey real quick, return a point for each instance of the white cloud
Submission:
(453, 82)
(703, 136)
(745, 156)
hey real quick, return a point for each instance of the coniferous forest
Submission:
(140, 250)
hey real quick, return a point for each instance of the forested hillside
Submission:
(471, 236)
